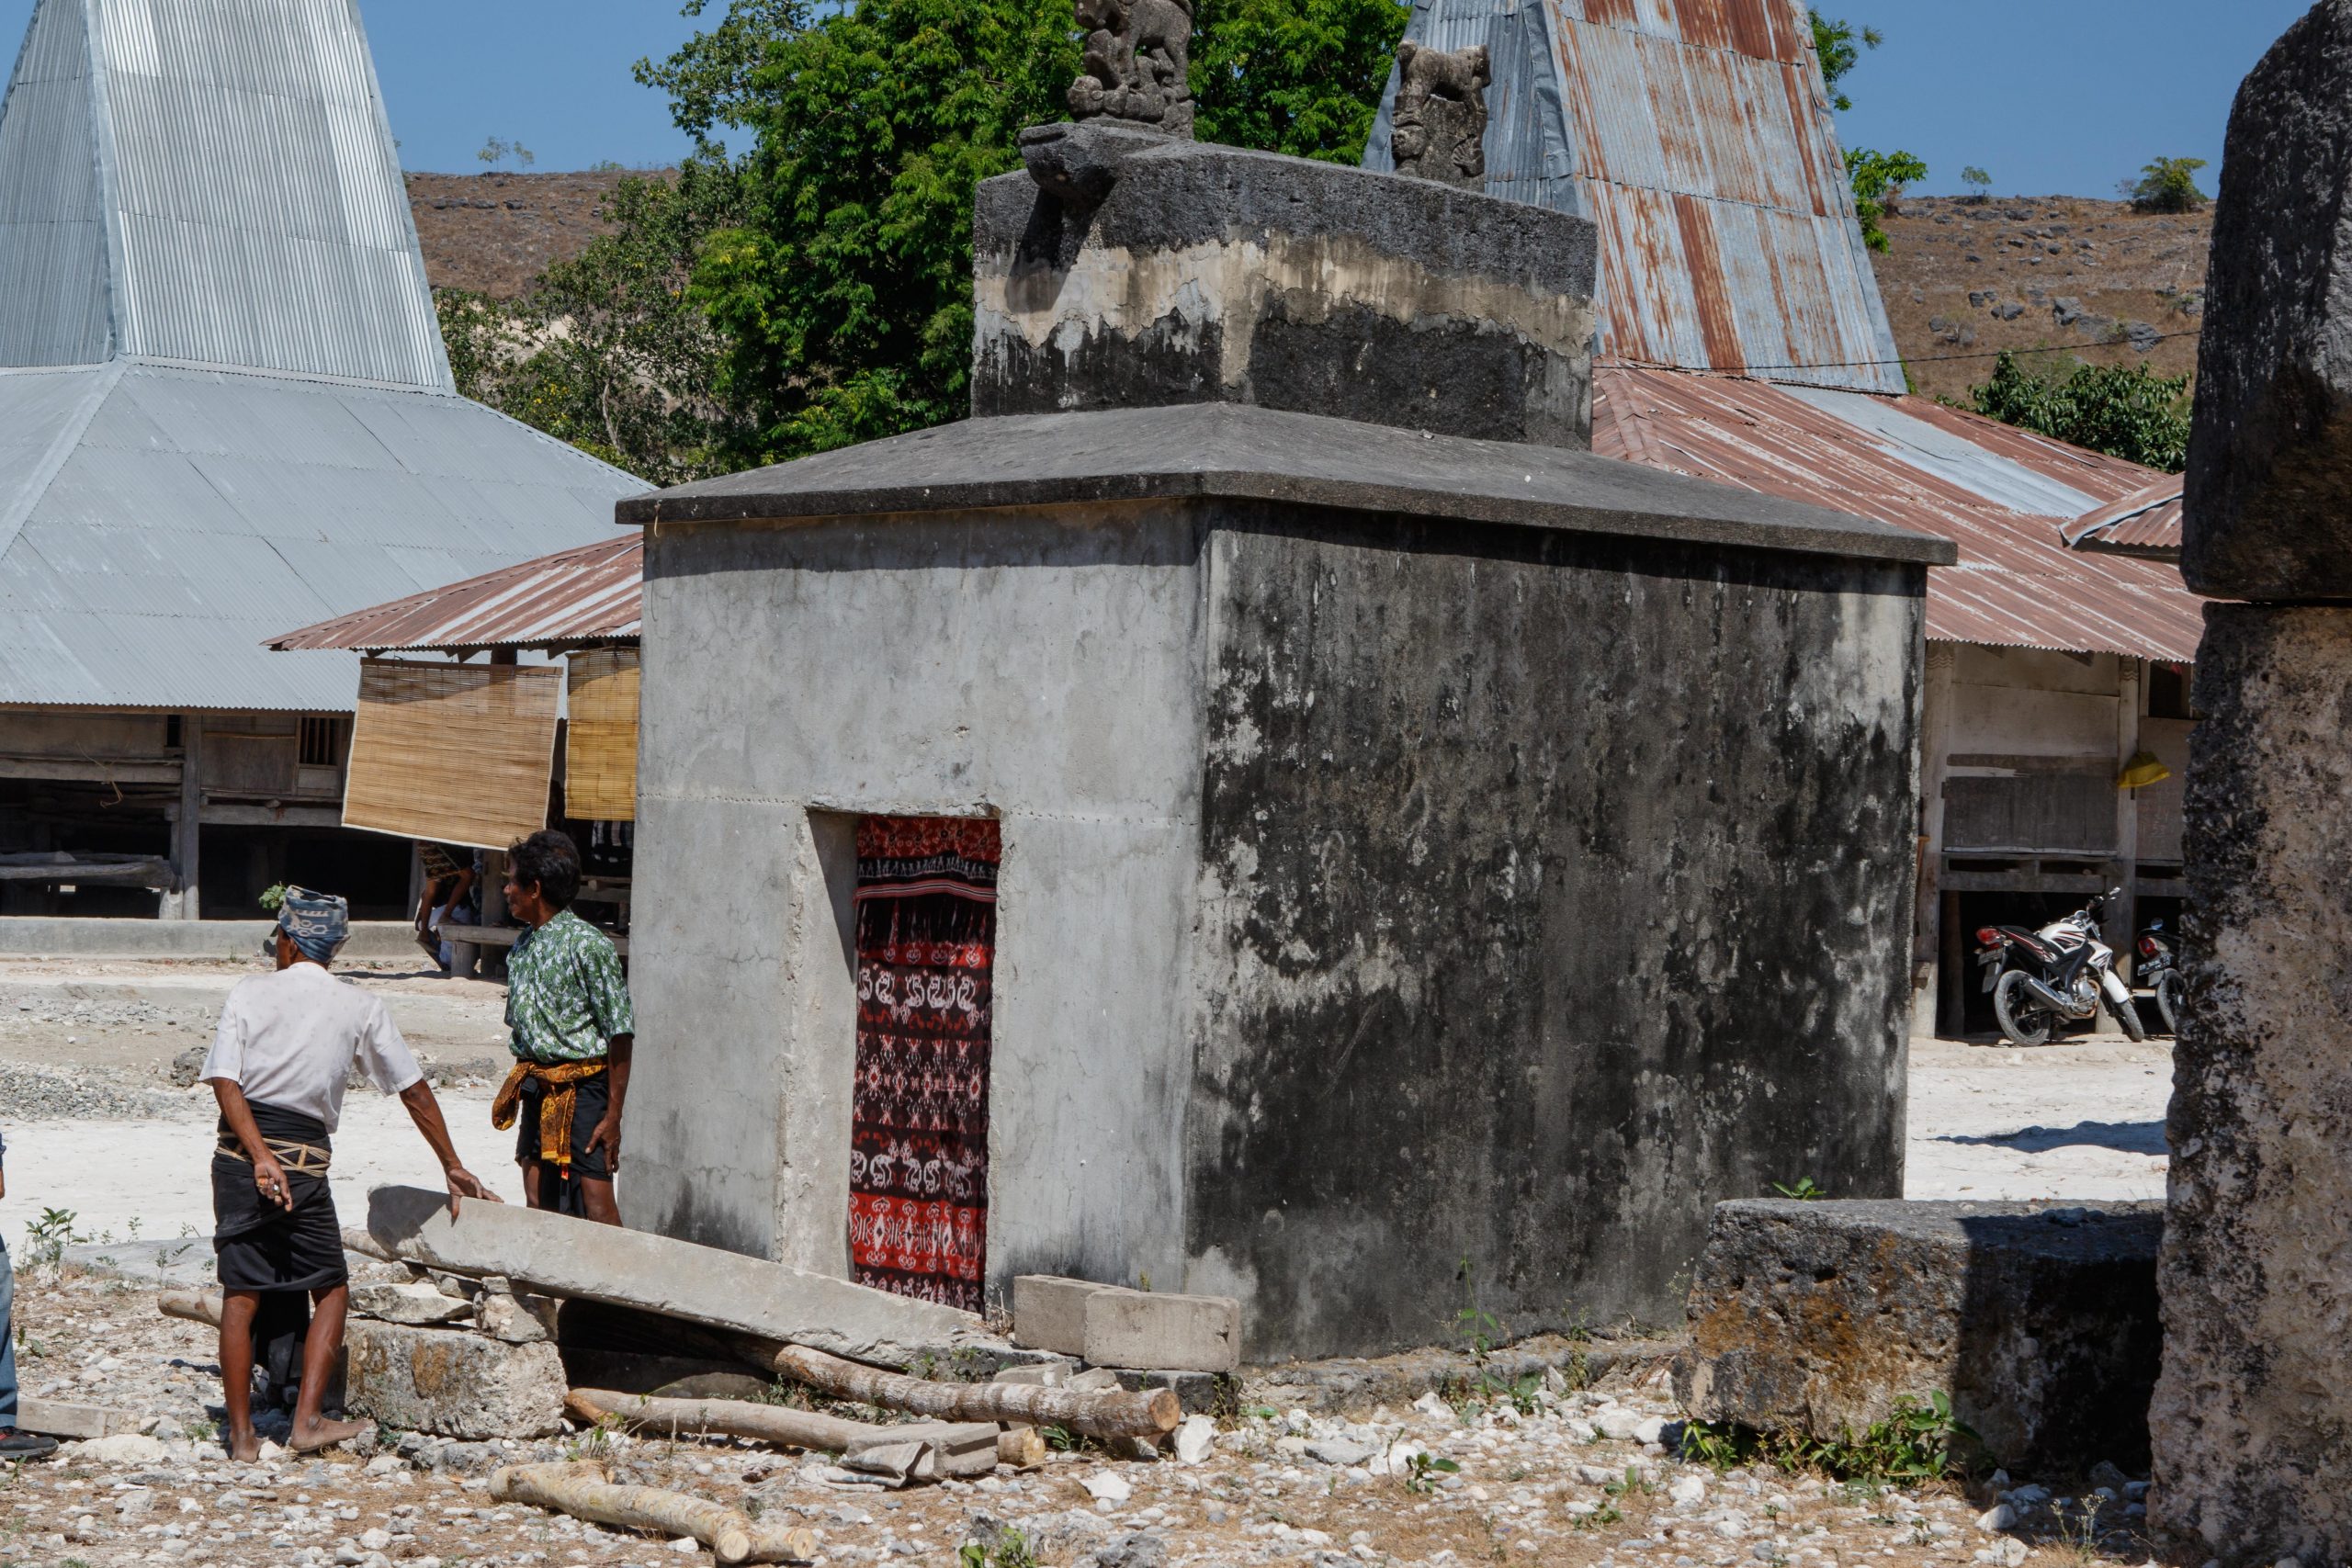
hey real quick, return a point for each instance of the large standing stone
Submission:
(2038, 1323)
(451, 1382)
(2270, 499)
(2253, 1420)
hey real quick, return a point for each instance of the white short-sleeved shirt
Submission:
(290, 1039)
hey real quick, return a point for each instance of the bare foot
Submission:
(322, 1434)
(244, 1447)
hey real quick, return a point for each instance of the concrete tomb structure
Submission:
(2252, 1422)
(1403, 859)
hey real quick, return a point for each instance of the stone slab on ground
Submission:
(452, 1382)
(2271, 457)
(2251, 1417)
(573, 1259)
(2039, 1321)
(55, 1418)
(1356, 1384)
(1050, 1312)
(1148, 1329)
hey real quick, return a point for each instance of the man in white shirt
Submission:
(286, 1046)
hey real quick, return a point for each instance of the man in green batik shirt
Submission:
(573, 1030)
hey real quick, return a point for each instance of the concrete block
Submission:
(1200, 1393)
(53, 1418)
(2040, 1323)
(67, 936)
(559, 1256)
(1050, 1312)
(1140, 1328)
(2271, 457)
(451, 1382)
(2251, 1416)
(414, 1304)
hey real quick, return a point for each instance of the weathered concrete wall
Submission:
(2253, 1419)
(2038, 1321)
(1041, 667)
(1208, 272)
(1560, 886)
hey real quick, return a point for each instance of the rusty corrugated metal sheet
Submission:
(1907, 461)
(1696, 135)
(2146, 523)
(584, 595)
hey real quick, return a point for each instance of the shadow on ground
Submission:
(2130, 1137)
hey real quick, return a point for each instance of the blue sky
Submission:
(2049, 97)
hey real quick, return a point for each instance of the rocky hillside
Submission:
(2091, 279)
(1963, 279)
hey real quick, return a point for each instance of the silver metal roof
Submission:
(210, 183)
(1697, 137)
(157, 523)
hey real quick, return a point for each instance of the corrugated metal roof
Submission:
(1921, 466)
(210, 183)
(1696, 135)
(156, 525)
(583, 595)
(2146, 523)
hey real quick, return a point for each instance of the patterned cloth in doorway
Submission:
(919, 1145)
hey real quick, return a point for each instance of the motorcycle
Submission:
(2059, 974)
(2159, 970)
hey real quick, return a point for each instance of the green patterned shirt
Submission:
(565, 996)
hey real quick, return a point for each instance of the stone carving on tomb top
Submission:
(1137, 55)
(1440, 129)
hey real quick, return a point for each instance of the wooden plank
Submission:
(507, 936)
(600, 741)
(460, 753)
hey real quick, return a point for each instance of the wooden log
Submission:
(971, 1449)
(194, 1306)
(582, 1490)
(1112, 1413)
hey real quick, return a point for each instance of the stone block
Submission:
(55, 1418)
(1200, 1393)
(2251, 1417)
(1050, 1312)
(2039, 1321)
(1182, 1333)
(415, 1303)
(451, 1382)
(1126, 270)
(2270, 484)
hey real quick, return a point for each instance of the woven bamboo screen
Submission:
(600, 743)
(460, 753)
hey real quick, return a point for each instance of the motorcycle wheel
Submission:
(2169, 997)
(2023, 1020)
(2127, 1013)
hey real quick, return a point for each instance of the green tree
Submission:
(2167, 185)
(1297, 76)
(2125, 410)
(1878, 179)
(1979, 183)
(1840, 46)
(709, 79)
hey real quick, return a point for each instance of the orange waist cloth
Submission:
(556, 1108)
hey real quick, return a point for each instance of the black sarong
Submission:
(261, 1246)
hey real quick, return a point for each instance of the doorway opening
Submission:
(925, 906)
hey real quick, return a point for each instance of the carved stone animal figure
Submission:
(1440, 129)
(1138, 54)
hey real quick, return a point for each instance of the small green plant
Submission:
(1979, 183)
(1804, 1191)
(498, 150)
(1920, 1442)
(1008, 1550)
(273, 897)
(1059, 1438)
(1421, 1473)
(2167, 184)
(1718, 1445)
(1635, 1480)
(1599, 1518)
(47, 1238)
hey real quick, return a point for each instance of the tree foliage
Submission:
(2125, 410)
(1296, 76)
(2167, 185)
(1878, 180)
(1840, 46)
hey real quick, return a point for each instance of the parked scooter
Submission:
(2160, 972)
(2057, 974)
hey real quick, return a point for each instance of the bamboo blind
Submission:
(600, 744)
(459, 753)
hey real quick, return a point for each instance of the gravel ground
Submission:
(1553, 1476)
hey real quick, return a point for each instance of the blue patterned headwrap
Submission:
(319, 923)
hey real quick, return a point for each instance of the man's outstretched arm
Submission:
(425, 1111)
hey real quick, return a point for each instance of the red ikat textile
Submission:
(919, 1145)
